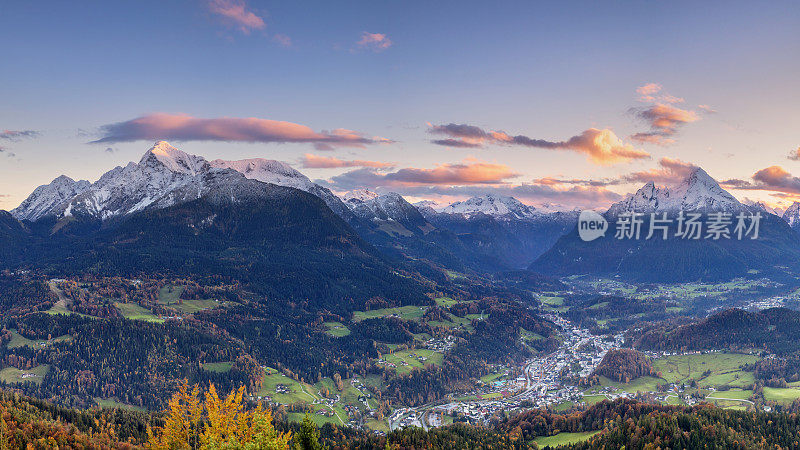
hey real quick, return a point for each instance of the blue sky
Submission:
(548, 71)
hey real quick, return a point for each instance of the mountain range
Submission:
(486, 234)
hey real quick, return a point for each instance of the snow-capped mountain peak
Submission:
(359, 195)
(173, 159)
(49, 196)
(697, 192)
(492, 205)
(391, 207)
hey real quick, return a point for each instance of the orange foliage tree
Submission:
(215, 423)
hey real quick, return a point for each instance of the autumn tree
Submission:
(216, 423)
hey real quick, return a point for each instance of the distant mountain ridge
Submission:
(676, 259)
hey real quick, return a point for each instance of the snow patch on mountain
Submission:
(267, 171)
(792, 216)
(359, 195)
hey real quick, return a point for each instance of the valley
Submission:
(550, 380)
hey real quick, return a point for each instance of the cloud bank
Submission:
(773, 178)
(183, 127)
(18, 135)
(601, 146)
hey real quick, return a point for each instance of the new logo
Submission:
(591, 225)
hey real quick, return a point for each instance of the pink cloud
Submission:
(469, 172)
(311, 161)
(235, 13)
(376, 42)
(647, 93)
(183, 127)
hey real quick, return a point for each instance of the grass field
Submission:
(724, 369)
(407, 360)
(296, 391)
(529, 336)
(563, 406)
(410, 312)
(58, 308)
(218, 367)
(14, 375)
(336, 329)
(110, 403)
(445, 302)
(641, 384)
(17, 340)
(736, 394)
(493, 376)
(377, 425)
(169, 294)
(193, 306)
(592, 399)
(133, 311)
(454, 322)
(564, 438)
(553, 303)
(781, 395)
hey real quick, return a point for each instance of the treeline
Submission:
(135, 362)
(24, 294)
(626, 312)
(290, 338)
(27, 422)
(623, 423)
(776, 330)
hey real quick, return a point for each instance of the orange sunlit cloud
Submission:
(601, 146)
(662, 116)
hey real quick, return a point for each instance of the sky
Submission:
(573, 104)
